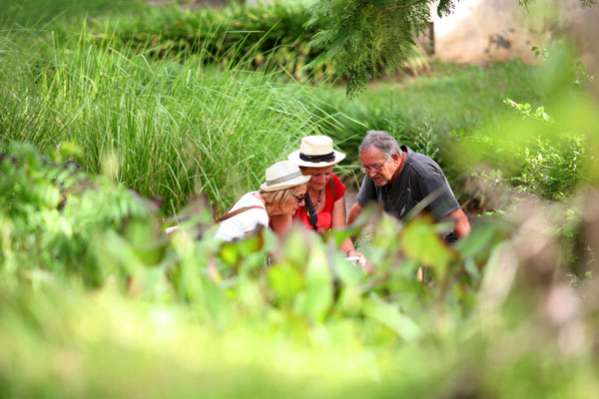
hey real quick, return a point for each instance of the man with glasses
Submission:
(403, 181)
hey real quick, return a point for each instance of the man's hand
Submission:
(361, 260)
(462, 225)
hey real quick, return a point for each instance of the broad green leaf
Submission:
(390, 315)
(350, 300)
(296, 248)
(214, 300)
(350, 273)
(286, 282)
(472, 269)
(315, 301)
(229, 253)
(474, 243)
(385, 237)
(421, 242)
(249, 295)
(251, 244)
(339, 236)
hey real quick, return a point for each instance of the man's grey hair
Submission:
(382, 140)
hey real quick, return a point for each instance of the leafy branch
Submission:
(365, 37)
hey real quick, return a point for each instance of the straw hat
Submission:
(282, 175)
(316, 152)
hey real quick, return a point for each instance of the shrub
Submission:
(271, 37)
(53, 216)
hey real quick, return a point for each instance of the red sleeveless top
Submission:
(334, 190)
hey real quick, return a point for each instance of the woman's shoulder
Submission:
(256, 209)
(336, 187)
(248, 199)
(243, 222)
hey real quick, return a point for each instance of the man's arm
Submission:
(354, 212)
(462, 225)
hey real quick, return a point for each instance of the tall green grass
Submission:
(40, 13)
(174, 128)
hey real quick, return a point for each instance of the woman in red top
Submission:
(324, 205)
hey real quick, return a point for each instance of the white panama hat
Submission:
(282, 175)
(316, 152)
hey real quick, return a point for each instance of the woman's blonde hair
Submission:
(275, 199)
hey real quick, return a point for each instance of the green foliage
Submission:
(527, 111)
(545, 149)
(36, 14)
(59, 220)
(171, 318)
(363, 36)
(53, 216)
(273, 37)
(445, 7)
(170, 129)
(428, 113)
(544, 166)
(195, 106)
(160, 123)
(264, 37)
(422, 243)
(368, 36)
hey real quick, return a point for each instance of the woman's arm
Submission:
(339, 223)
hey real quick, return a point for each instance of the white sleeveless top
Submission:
(243, 223)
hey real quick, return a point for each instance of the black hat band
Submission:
(318, 158)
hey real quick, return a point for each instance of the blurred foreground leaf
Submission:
(390, 316)
(420, 241)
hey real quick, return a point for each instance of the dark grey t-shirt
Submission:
(420, 177)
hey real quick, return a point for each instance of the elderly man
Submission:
(400, 179)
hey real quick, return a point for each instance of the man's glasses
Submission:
(374, 167)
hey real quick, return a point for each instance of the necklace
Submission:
(316, 202)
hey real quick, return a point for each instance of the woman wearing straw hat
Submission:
(273, 206)
(324, 205)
